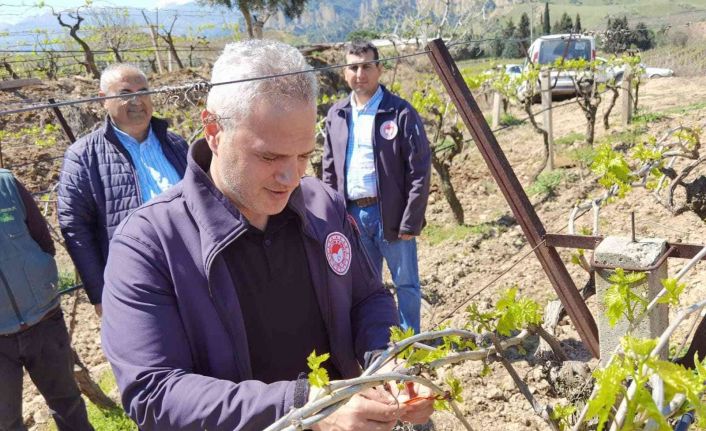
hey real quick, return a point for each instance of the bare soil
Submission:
(455, 270)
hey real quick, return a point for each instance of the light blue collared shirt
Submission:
(155, 174)
(361, 177)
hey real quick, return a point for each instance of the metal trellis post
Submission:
(514, 194)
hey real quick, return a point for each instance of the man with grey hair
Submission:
(109, 173)
(238, 273)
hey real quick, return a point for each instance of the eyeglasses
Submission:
(365, 67)
(130, 97)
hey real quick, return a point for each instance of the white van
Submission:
(547, 49)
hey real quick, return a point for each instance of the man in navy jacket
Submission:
(377, 155)
(217, 290)
(109, 173)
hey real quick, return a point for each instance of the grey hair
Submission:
(114, 70)
(251, 59)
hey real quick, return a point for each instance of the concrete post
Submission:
(626, 94)
(622, 252)
(497, 108)
(546, 91)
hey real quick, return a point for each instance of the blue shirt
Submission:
(361, 178)
(154, 172)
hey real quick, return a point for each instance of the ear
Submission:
(211, 130)
(102, 94)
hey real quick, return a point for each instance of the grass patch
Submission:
(507, 119)
(546, 183)
(569, 139)
(109, 420)
(648, 117)
(685, 109)
(104, 420)
(436, 234)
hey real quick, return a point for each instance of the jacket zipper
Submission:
(215, 253)
(23, 324)
(131, 162)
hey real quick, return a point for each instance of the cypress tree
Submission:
(577, 24)
(546, 21)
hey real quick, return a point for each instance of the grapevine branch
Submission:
(663, 340)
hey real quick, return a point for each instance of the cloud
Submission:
(165, 3)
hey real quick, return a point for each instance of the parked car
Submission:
(546, 50)
(513, 70)
(656, 72)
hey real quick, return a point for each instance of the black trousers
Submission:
(44, 350)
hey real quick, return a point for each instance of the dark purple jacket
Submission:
(172, 328)
(402, 163)
(98, 188)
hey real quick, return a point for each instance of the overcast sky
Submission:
(15, 10)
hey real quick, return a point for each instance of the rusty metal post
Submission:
(514, 194)
(64, 125)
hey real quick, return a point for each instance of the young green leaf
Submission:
(318, 377)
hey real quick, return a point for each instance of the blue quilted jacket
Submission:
(98, 188)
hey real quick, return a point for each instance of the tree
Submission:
(546, 21)
(509, 49)
(445, 136)
(643, 38)
(89, 59)
(577, 24)
(257, 12)
(564, 25)
(523, 33)
(113, 27)
(617, 37)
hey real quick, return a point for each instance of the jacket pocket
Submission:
(42, 275)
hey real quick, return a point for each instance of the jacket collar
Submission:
(159, 127)
(218, 219)
(386, 104)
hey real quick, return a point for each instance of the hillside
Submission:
(333, 20)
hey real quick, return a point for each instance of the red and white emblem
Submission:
(338, 252)
(388, 130)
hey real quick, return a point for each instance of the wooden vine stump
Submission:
(89, 387)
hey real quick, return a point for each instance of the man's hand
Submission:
(99, 309)
(370, 410)
(405, 236)
(418, 403)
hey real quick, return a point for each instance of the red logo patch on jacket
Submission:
(338, 252)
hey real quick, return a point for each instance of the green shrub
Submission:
(546, 183)
(648, 117)
(508, 119)
(583, 155)
(436, 234)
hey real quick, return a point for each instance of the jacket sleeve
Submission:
(37, 225)
(145, 341)
(79, 225)
(374, 310)
(328, 167)
(417, 156)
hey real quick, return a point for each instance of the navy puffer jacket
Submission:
(98, 188)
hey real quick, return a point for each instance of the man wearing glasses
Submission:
(110, 172)
(377, 155)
